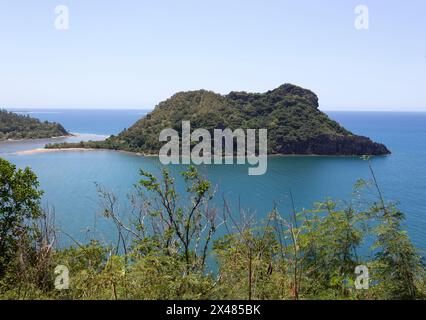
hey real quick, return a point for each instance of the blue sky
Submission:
(133, 54)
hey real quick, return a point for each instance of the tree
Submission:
(188, 228)
(397, 261)
(397, 264)
(19, 203)
(16, 126)
(164, 220)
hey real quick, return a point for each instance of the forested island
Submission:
(290, 113)
(14, 126)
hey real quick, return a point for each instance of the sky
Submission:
(134, 54)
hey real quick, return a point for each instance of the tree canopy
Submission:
(290, 113)
(15, 126)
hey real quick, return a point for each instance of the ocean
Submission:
(69, 178)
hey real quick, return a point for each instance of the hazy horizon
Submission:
(112, 108)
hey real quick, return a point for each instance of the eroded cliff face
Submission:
(333, 145)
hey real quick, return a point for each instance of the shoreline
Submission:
(45, 150)
(71, 135)
(38, 139)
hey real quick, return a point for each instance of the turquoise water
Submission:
(69, 178)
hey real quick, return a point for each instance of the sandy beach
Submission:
(40, 139)
(43, 150)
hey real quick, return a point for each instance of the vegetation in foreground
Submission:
(16, 127)
(290, 113)
(169, 250)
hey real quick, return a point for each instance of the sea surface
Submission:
(69, 178)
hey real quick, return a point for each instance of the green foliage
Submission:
(310, 254)
(19, 202)
(180, 228)
(397, 262)
(14, 126)
(95, 273)
(250, 266)
(290, 113)
(329, 240)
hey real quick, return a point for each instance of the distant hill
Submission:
(15, 126)
(290, 113)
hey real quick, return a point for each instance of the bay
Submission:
(68, 178)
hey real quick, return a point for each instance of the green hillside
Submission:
(290, 113)
(14, 126)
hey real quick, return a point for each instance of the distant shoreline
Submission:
(38, 139)
(71, 135)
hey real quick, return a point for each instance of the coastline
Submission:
(45, 150)
(71, 135)
(42, 150)
(38, 139)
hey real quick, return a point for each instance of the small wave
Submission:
(79, 134)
